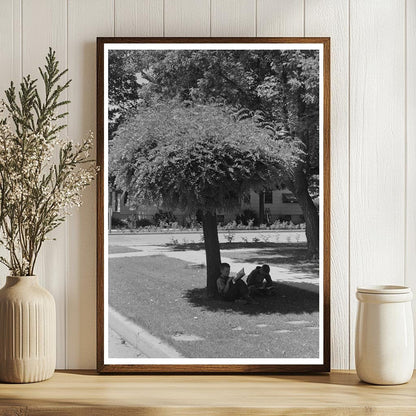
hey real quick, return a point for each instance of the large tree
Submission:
(196, 158)
(280, 88)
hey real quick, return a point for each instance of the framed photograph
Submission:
(213, 228)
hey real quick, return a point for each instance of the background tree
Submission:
(280, 89)
(196, 158)
(122, 87)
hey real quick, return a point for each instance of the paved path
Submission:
(139, 342)
(278, 273)
(118, 347)
(162, 238)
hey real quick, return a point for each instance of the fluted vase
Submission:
(27, 331)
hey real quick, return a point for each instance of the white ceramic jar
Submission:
(384, 343)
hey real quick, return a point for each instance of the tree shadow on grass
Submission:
(121, 249)
(294, 298)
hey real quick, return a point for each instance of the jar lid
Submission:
(384, 289)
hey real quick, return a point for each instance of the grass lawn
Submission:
(167, 297)
(120, 249)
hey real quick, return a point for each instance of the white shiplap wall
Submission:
(373, 132)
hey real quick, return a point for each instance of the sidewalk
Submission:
(118, 347)
(139, 342)
(280, 274)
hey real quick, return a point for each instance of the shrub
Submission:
(163, 218)
(229, 236)
(133, 221)
(118, 223)
(232, 225)
(143, 222)
(195, 225)
(174, 241)
(247, 216)
(286, 225)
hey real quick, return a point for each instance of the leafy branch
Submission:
(37, 193)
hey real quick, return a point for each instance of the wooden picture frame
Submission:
(319, 49)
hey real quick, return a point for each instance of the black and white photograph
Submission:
(213, 203)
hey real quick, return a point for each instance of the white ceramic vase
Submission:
(384, 352)
(27, 331)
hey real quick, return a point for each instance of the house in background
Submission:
(279, 204)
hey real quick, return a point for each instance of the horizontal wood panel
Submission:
(331, 394)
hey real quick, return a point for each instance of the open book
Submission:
(239, 275)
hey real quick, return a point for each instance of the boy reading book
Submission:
(232, 288)
(259, 281)
(239, 275)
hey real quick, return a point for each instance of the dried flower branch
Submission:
(37, 186)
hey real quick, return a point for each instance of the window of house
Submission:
(117, 202)
(289, 198)
(247, 199)
(268, 197)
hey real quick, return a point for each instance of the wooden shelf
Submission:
(86, 393)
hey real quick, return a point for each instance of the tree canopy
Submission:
(278, 88)
(195, 157)
(281, 85)
(122, 87)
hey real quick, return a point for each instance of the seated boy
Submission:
(230, 289)
(259, 281)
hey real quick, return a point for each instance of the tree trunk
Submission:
(300, 190)
(212, 251)
(261, 207)
(312, 222)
